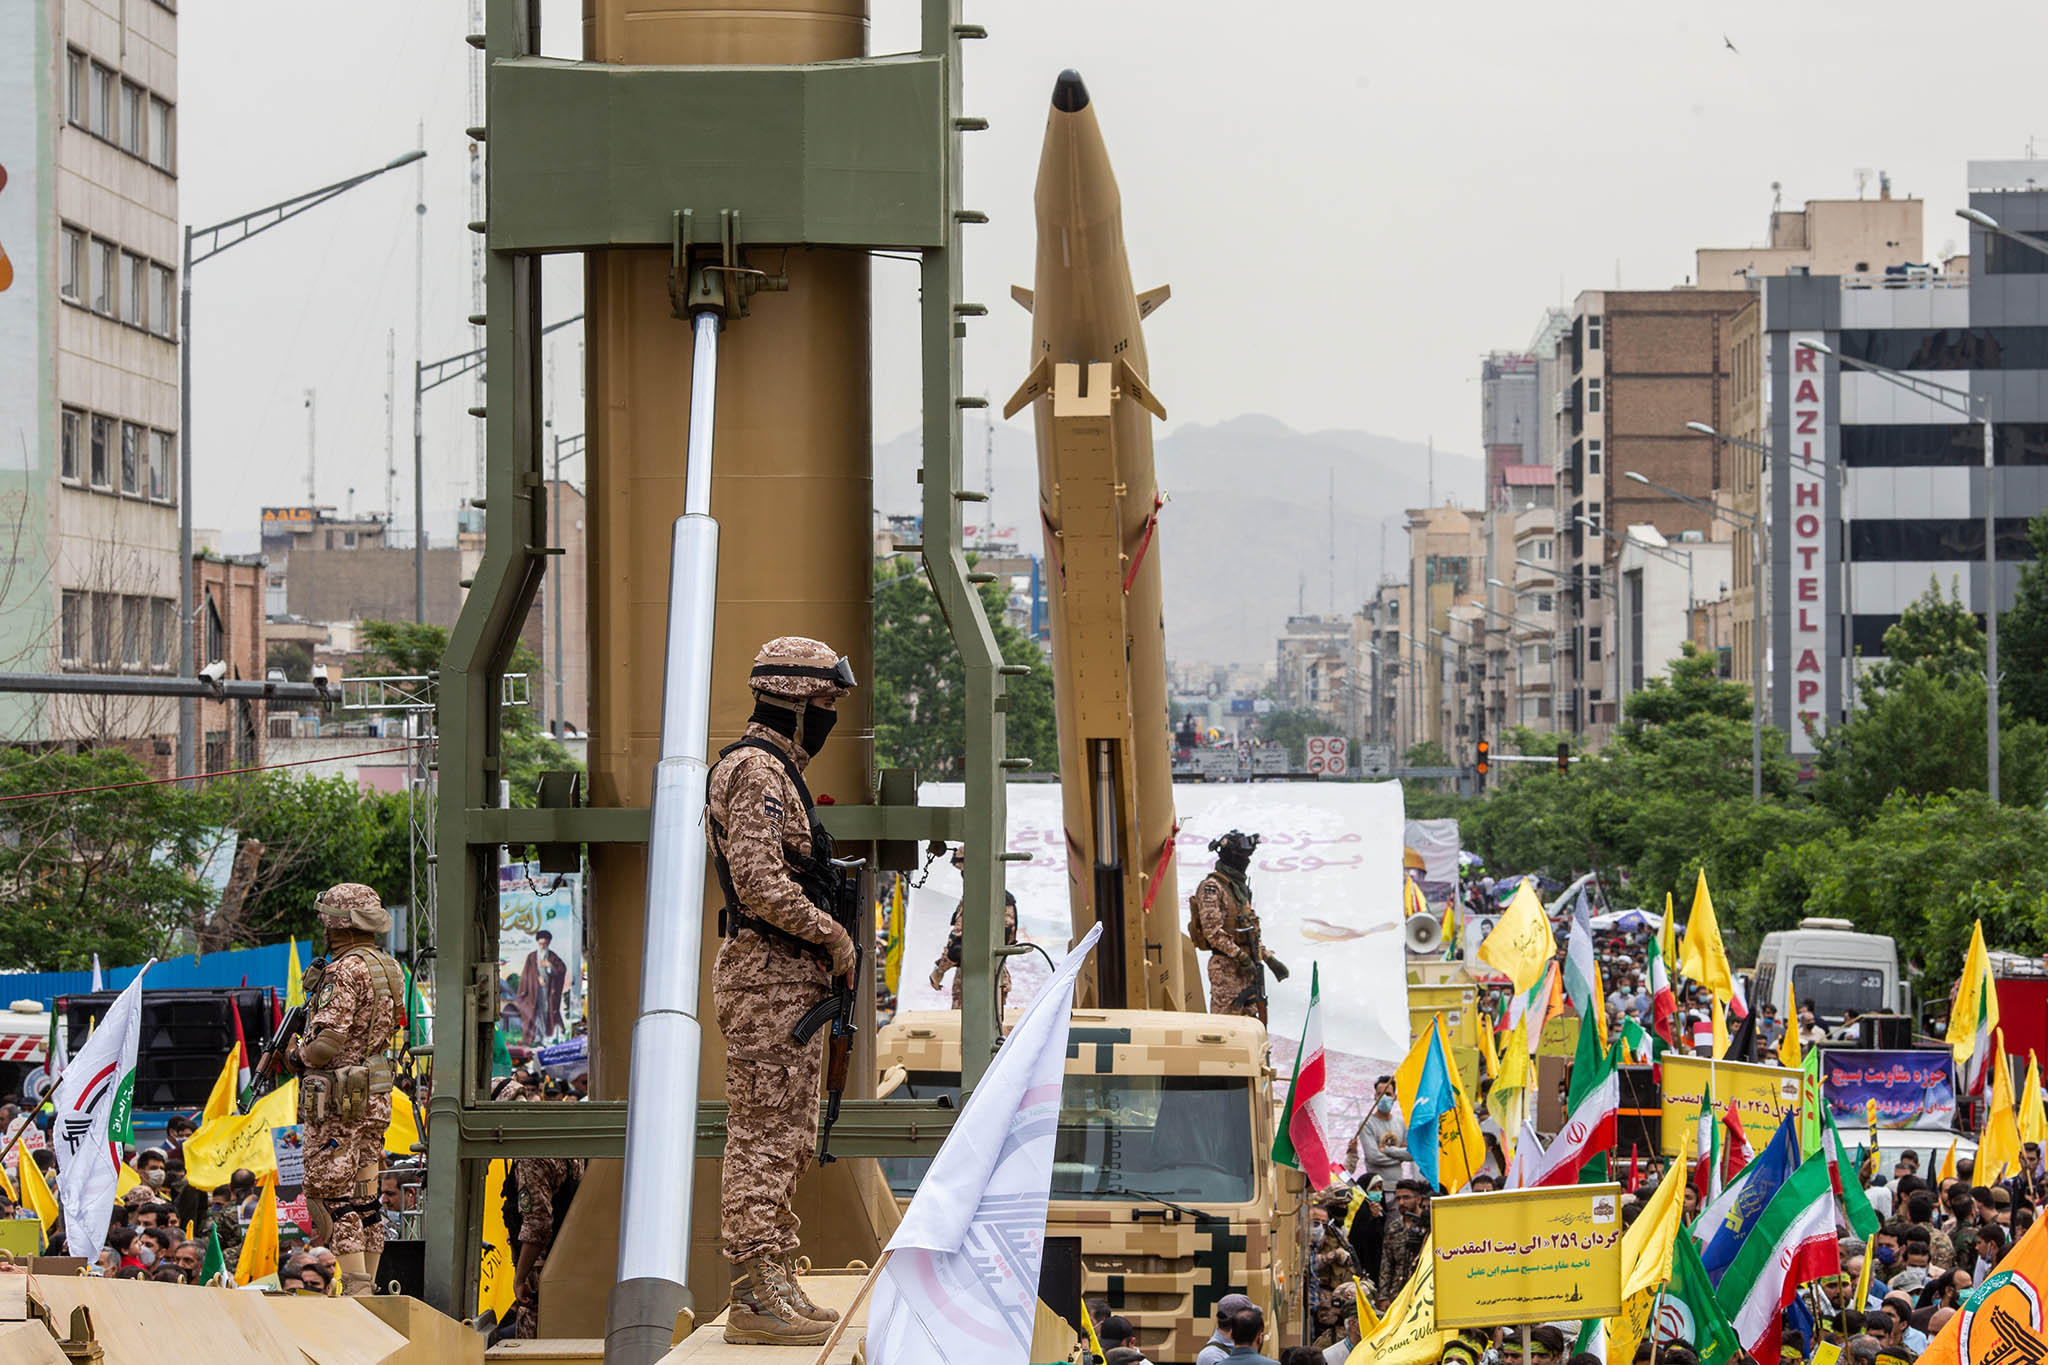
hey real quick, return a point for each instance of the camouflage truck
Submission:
(1162, 1166)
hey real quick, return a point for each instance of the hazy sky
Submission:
(1352, 201)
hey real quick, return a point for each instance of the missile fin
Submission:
(1127, 380)
(1149, 301)
(1038, 382)
(1023, 297)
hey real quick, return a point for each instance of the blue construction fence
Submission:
(240, 967)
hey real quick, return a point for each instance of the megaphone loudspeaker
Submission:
(1424, 933)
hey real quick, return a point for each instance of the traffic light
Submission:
(1484, 751)
(1564, 758)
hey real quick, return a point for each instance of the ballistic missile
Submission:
(1090, 389)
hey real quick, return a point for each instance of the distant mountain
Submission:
(1245, 539)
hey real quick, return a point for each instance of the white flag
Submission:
(98, 984)
(962, 1277)
(92, 1102)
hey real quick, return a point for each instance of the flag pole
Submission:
(860, 1296)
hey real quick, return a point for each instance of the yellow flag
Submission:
(404, 1129)
(259, 1243)
(1703, 959)
(1408, 1333)
(495, 1269)
(1646, 1255)
(35, 1192)
(1998, 1146)
(1368, 1321)
(1508, 1101)
(1788, 1046)
(294, 984)
(1461, 1147)
(125, 1178)
(1487, 1052)
(1948, 1165)
(1719, 1019)
(1521, 944)
(220, 1101)
(1667, 935)
(1863, 1278)
(1600, 1006)
(220, 1148)
(1975, 1013)
(2033, 1119)
(7, 1186)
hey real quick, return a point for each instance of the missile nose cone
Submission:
(1069, 95)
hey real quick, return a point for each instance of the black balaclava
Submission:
(777, 716)
(818, 723)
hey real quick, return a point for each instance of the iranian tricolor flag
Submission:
(1588, 1131)
(1706, 1169)
(92, 1119)
(1663, 1004)
(1308, 1140)
(1792, 1243)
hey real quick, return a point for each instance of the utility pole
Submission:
(419, 358)
(312, 455)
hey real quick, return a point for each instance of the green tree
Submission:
(1292, 728)
(921, 689)
(2023, 634)
(1426, 754)
(315, 832)
(411, 647)
(1935, 635)
(85, 870)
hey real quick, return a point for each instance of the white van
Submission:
(1827, 964)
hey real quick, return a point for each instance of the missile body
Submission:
(1098, 498)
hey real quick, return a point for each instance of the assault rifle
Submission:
(1255, 994)
(838, 1008)
(274, 1059)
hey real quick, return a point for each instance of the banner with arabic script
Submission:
(1515, 1256)
(1761, 1095)
(1912, 1089)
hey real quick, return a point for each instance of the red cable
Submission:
(225, 772)
(1151, 525)
(1152, 891)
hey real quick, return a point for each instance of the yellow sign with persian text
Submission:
(1515, 1256)
(1762, 1095)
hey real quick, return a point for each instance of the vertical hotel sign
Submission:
(1806, 538)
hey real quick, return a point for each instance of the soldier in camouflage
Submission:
(542, 1188)
(949, 959)
(343, 1058)
(780, 955)
(1224, 918)
(1332, 1268)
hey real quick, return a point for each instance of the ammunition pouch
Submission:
(823, 883)
(343, 1092)
(316, 1096)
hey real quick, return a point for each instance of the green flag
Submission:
(415, 1012)
(1691, 1311)
(501, 1056)
(211, 1267)
(1862, 1218)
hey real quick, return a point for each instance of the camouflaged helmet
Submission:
(354, 905)
(799, 668)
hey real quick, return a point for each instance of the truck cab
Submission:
(1161, 1165)
(1825, 963)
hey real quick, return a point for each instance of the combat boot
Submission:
(793, 1290)
(761, 1315)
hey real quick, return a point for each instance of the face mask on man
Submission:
(1386, 1106)
(154, 1177)
(1886, 1255)
(145, 1252)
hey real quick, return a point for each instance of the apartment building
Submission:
(89, 398)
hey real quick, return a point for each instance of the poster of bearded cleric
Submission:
(540, 953)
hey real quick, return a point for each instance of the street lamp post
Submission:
(1970, 405)
(1756, 528)
(203, 244)
(1666, 554)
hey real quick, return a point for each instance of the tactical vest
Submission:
(823, 884)
(1199, 936)
(345, 1091)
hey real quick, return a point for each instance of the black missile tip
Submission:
(1069, 95)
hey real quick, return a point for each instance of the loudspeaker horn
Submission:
(1424, 933)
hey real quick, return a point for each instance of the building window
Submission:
(104, 618)
(216, 634)
(1593, 511)
(1592, 395)
(131, 458)
(1592, 457)
(1593, 581)
(70, 261)
(135, 304)
(164, 296)
(1543, 601)
(102, 107)
(70, 437)
(103, 282)
(70, 626)
(163, 476)
(160, 139)
(163, 628)
(74, 86)
(1593, 333)
(1543, 549)
(348, 540)
(134, 116)
(102, 451)
(134, 628)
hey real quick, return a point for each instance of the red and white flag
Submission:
(1736, 1151)
(1308, 1139)
(1663, 1003)
(1588, 1131)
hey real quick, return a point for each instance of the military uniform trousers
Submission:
(771, 1127)
(1227, 981)
(337, 1154)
